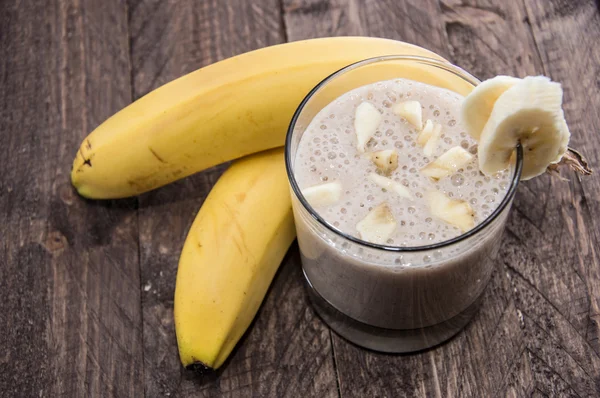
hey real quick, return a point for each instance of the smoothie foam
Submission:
(327, 152)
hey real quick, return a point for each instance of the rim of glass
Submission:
(442, 64)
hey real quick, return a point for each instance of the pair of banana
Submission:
(222, 112)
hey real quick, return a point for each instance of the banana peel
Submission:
(230, 257)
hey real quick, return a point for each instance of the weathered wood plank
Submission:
(287, 349)
(69, 276)
(70, 318)
(566, 34)
(413, 21)
(479, 39)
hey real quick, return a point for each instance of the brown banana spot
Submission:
(156, 155)
(240, 197)
(88, 161)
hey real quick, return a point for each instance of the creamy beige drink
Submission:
(328, 153)
(390, 163)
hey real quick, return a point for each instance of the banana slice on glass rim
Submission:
(478, 105)
(521, 111)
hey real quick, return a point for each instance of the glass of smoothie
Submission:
(397, 227)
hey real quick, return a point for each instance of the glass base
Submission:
(388, 340)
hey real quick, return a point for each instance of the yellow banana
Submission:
(218, 113)
(230, 256)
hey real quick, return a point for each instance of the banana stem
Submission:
(573, 160)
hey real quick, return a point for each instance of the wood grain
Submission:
(69, 277)
(413, 21)
(286, 349)
(489, 38)
(87, 287)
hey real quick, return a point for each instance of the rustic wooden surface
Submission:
(87, 287)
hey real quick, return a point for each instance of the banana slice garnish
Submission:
(323, 194)
(530, 113)
(411, 111)
(386, 160)
(449, 162)
(429, 136)
(454, 212)
(378, 225)
(478, 105)
(390, 185)
(426, 133)
(366, 121)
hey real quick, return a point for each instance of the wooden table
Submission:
(86, 287)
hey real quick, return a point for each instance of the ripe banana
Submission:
(230, 256)
(218, 113)
(526, 111)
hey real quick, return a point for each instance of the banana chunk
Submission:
(431, 145)
(386, 160)
(450, 161)
(323, 194)
(390, 185)
(429, 136)
(454, 212)
(529, 113)
(411, 111)
(426, 133)
(477, 106)
(366, 121)
(378, 225)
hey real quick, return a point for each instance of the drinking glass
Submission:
(388, 298)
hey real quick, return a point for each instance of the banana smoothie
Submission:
(390, 163)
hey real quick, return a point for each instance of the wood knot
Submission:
(163, 249)
(55, 242)
(67, 194)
